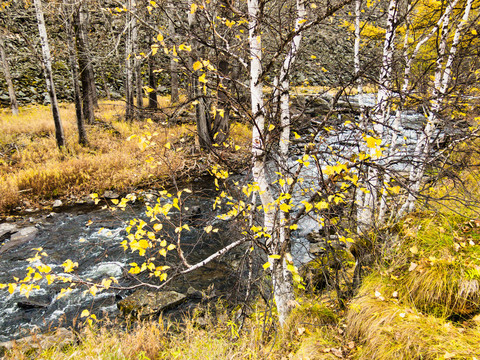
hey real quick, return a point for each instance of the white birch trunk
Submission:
(282, 287)
(366, 216)
(409, 58)
(47, 67)
(442, 79)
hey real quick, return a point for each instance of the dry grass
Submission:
(419, 304)
(33, 170)
(393, 329)
(312, 333)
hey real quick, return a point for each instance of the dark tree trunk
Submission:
(173, 60)
(69, 10)
(86, 68)
(152, 82)
(137, 63)
(129, 101)
(8, 77)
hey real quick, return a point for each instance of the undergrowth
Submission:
(33, 170)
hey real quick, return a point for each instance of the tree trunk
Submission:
(69, 9)
(152, 81)
(442, 79)
(129, 105)
(47, 65)
(86, 69)
(173, 62)
(366, 217)
(282, 286)
(8, 77)
(137, 63)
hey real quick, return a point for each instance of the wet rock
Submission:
(30, 304)
(111, 195)
(20, 237)
(193, 293)
(57, 203)
(60, 338)
(145, 303)
(6, 230)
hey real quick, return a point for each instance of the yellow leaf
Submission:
(414, 250)
(313, 57)
(266, 265)
(294, 227)
(84, 313)
(474, 32)
(208, 228)
(157, 227)
(275, 257)
(193, 8)
(12, 287)
(163, 252)
(168, 145)
(271, 127)
(203, 78)
(302, 21)
(197, 65)
(160, 37)
(154, 49)
(163, 243)
(170, 247)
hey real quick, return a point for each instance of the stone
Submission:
(317, 248)
(6, 229)
(57, 203)
(110, 195)
(60, 338)
(193, 293)
(146, 303)
(20, 237)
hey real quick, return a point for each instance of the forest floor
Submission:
(121, 156)
(419, 298)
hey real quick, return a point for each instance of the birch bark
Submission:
(442, 79)
(366, 216)
(47, 67)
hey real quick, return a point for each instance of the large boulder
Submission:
(145, 303)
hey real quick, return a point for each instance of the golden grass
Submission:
(312, 330)
(33, 170)
(394, 329)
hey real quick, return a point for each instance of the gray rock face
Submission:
(6, 229)
(59, 338)
(20, 237)
(145, 303)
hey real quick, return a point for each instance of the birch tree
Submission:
(442, 79)
(366, 214)
(47, 67)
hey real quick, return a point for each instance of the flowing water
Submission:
(91, 237)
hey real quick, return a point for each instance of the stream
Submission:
(91, 236)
